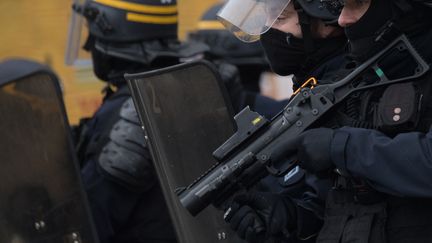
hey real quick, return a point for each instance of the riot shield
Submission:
(41, 198)
(186, 117)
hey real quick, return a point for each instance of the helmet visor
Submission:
(77, 36)
(248, 19)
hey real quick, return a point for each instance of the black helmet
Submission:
(319, 9)
(130, 20)
(308, 9)
(133, 34)
(223, 45)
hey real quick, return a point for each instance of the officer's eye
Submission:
(281, 18)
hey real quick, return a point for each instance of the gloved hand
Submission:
(257, 216)
(312, 149)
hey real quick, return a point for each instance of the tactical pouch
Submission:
(348, 221)
(398, 108)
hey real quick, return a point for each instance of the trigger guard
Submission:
(285, 167)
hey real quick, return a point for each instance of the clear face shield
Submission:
(77, 35)
(248, 19)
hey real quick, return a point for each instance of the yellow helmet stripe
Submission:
(140, 8)
(210, 25)
(151, 19)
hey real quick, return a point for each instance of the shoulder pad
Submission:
(128, 112)
(129, 135)
(126, 157)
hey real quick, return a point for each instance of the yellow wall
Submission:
(38, 30)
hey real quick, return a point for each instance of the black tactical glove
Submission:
(258, 216)
(312, 149)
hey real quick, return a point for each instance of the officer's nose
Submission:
(347, 17)
(352, 11)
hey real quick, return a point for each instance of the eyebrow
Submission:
(288, 11)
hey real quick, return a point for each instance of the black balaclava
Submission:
(112, 69)
(363, 34)
(287, 54)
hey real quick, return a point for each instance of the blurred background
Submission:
(38, 30)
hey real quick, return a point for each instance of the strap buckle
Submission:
(311, 82)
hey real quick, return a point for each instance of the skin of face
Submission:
(352, 11)
(288, 22)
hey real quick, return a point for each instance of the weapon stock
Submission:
(256, 149)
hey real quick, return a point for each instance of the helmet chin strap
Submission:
(89, 43)
(305, 25)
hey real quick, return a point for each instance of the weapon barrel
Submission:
(216, 184)
(206, 191)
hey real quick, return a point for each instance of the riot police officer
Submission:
(224, 47)
(303, 41)
(382, 189)
(125, 197)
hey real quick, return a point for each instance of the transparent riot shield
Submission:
(186, 117)
(41, 198)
